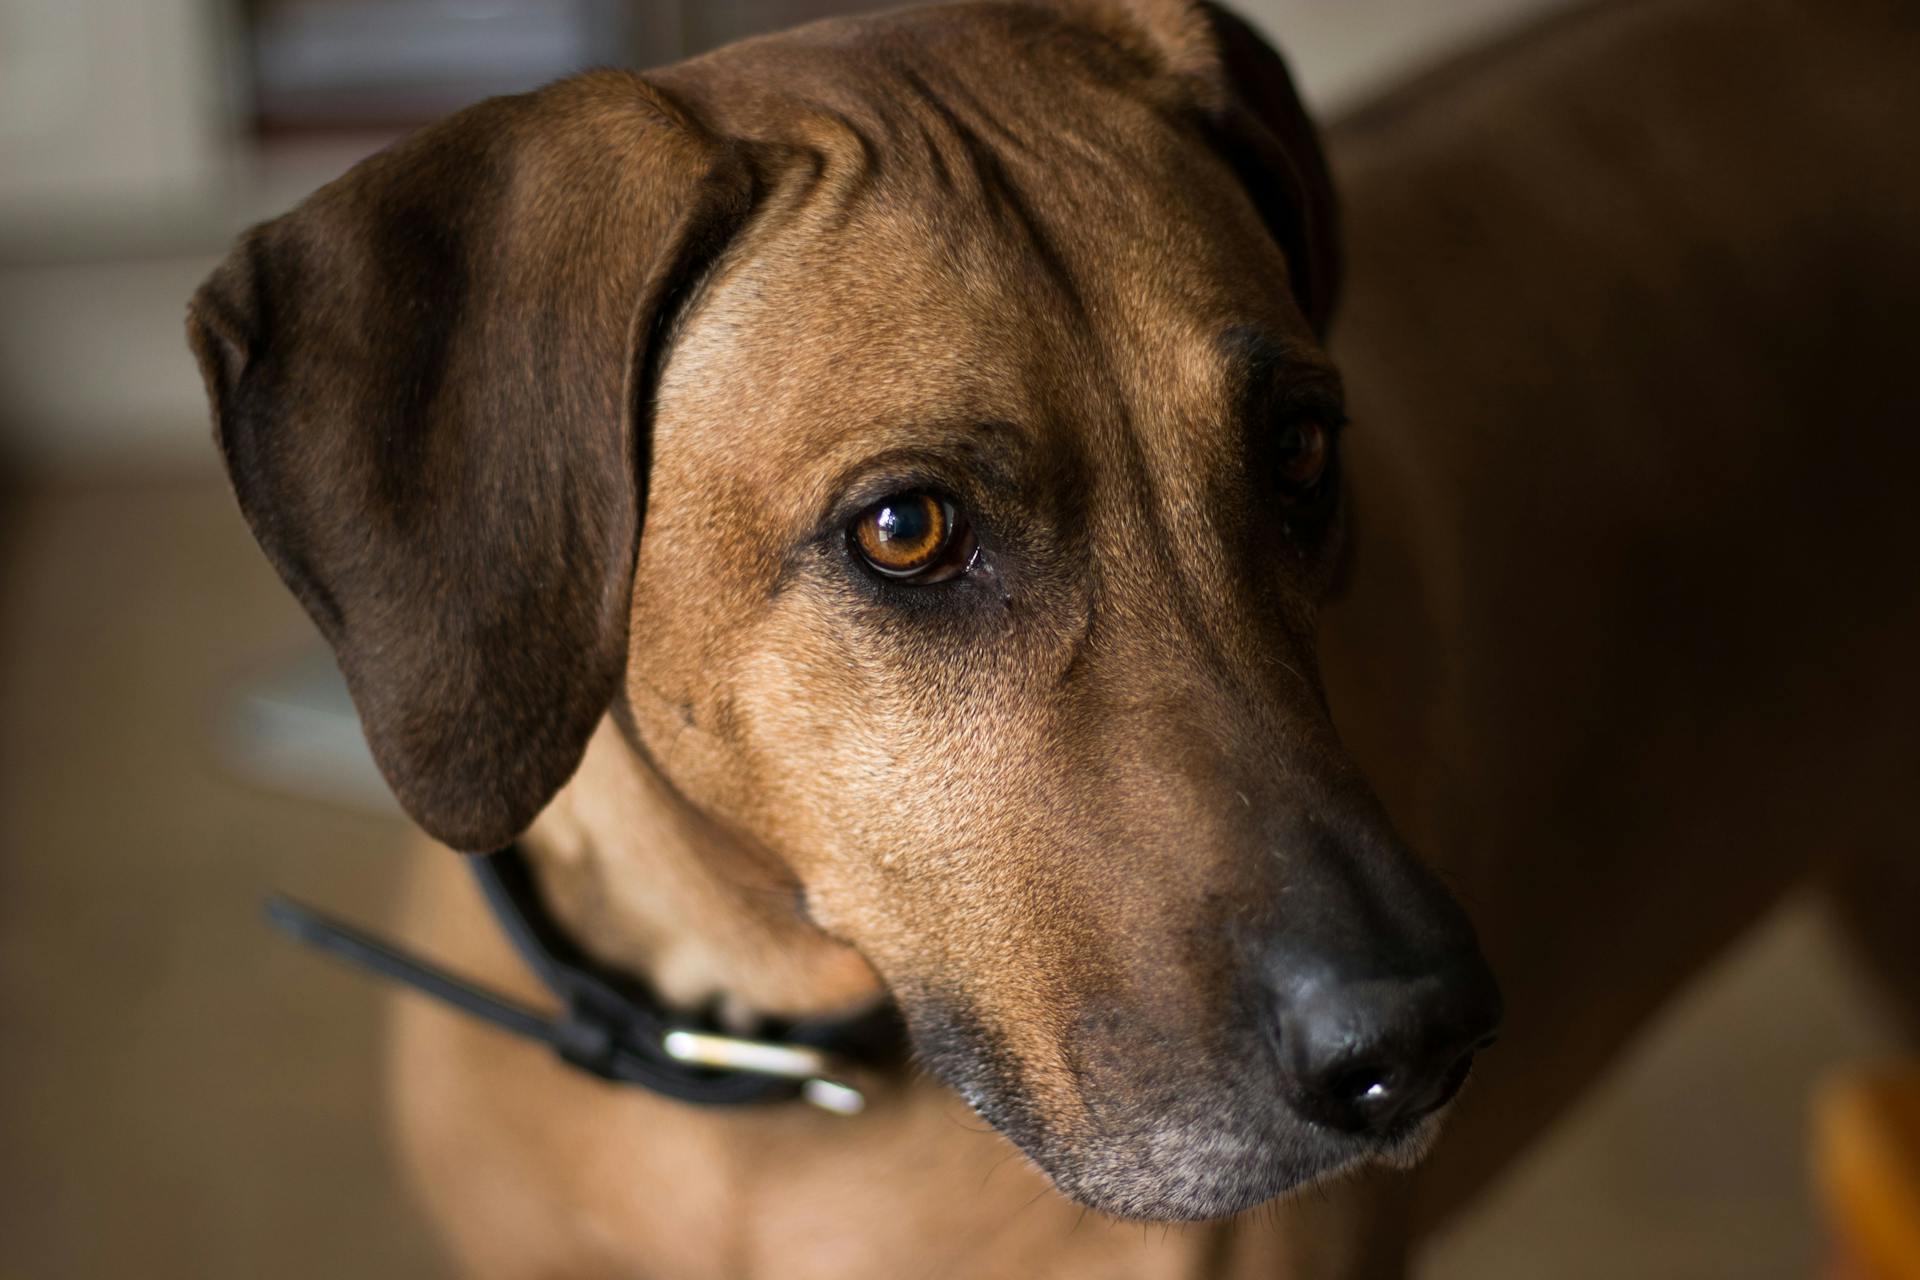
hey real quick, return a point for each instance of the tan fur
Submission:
(1612, 661)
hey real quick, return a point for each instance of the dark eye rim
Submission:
(954, 556)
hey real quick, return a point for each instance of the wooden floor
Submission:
(183, 1095)
(180, 1093)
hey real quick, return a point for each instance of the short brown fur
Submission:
(558, 408)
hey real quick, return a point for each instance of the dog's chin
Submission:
(1135, 1149)
(1195, 1170)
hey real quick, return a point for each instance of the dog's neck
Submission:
(650, 886)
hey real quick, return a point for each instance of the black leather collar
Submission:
(612, 1025)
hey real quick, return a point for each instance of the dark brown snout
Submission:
(1374, 1055)
(1380, 996)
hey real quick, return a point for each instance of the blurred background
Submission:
(180, 1093)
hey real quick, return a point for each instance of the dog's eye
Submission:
(1301, 457)
(913, 537)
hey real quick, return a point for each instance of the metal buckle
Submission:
(813, 1068)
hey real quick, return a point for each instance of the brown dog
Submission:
(864, 498)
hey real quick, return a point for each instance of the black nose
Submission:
(1374, 1054)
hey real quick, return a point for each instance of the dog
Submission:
(871, 510)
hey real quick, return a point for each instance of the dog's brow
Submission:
(966, 460)
(976, 456)
(1269, 375)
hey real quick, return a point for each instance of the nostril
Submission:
(1351, 1098)
(1456, 1075)
(1380, 1097)
(1362, 1086)
(1375, 1057)
(1370, 1052)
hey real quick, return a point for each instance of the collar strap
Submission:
(610, 1025)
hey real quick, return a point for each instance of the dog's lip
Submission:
(1210, 1170)
(1239, 1172)
(1228, 1144)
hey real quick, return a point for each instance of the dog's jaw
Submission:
(1227, 1146)
(1181, 1172)
(646, 885)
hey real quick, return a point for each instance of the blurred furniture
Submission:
(367, 64)
(1867, 1168)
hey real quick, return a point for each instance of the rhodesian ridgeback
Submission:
(872, 512)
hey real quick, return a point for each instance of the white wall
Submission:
(108, 108)
(1342, 51)
(94, 369)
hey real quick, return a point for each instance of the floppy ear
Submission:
(430, 384)
(1249, 107)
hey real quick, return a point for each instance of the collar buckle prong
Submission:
(820, 1083)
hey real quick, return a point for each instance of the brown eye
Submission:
(913, 536)
(1302, 457)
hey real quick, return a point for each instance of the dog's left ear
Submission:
(431, 385)
(1250, 106)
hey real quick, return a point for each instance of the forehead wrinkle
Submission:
(921, 256)
(837, 161)
(930, 317)
(1141, 272)
(963, 134)
(913, 131)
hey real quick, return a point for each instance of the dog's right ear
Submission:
(1249, 105)
(430, 385)
(1271, 141)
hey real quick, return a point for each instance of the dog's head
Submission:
(915, 430)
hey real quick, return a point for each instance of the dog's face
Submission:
(990, 476)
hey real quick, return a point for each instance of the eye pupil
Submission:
(909, 524)
(1302, 450)
(913, 535)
